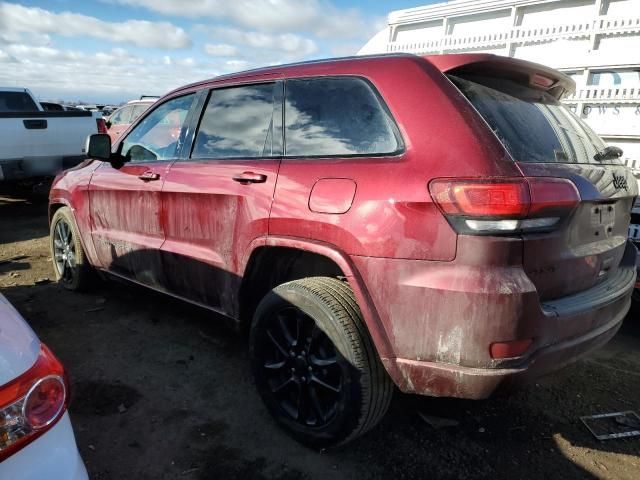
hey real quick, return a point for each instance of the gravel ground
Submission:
(162, 390)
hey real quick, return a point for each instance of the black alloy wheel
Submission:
(302, 367)
(314, 363)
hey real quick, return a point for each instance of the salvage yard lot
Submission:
(162, 390)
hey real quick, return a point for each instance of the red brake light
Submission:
(44, 401)
(549, 194)
(102, 125)
(485, 198)
(32, 403)
(506, 205)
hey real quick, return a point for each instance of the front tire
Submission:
(314, 363)
(70, 263)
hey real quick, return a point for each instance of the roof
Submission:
(459, 62)
(13, 89)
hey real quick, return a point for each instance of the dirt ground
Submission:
(162, 390)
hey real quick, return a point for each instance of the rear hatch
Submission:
(545, 139)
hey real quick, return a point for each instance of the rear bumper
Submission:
(440, 319)
(479, 383)
(36, 167)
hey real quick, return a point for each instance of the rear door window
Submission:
(532, 125)
(337, 117)
(16, 102)
(241, 122)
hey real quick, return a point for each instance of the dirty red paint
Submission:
(433, 300)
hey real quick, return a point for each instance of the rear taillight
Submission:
(504, 206)
(32, 403)
(102, 125)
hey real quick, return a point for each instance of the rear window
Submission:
(531, 124)
(17, 102)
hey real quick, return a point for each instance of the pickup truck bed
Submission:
(38, 143)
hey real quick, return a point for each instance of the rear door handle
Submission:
(246, 178)
(149, 176)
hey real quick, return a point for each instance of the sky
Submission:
(110, 51)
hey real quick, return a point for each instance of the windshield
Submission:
(531, 124)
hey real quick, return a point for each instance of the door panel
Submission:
(126, 202)
(126, 219)
(210, 219)
(218, 201)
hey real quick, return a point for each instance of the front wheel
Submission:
(70, 263)
(314, 363)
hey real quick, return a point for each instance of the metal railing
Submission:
(605, 95)
(521, 35)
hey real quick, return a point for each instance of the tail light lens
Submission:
(32, 403)
(102, 125)
(504, 206)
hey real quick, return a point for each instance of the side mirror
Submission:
(99, 146)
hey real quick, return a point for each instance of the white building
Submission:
(597, 42)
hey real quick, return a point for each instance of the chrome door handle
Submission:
(246, 178)
(149, 176)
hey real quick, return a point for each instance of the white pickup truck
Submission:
(38, 143)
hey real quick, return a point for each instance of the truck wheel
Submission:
(70, 263)
(315, 365)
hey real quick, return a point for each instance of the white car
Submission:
(36, 438)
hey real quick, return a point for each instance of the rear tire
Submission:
(314, 363)
(70, 263)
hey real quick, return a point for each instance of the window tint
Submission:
(531, 124)
(240, 122)
(336, 116)
(122, 116)
(156, 136)
(16, 102)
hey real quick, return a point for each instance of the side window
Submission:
(241, 122)
(156, 136)
(139, 110)
(122, 116)
(336, 116)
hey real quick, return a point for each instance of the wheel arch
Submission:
(275, 260)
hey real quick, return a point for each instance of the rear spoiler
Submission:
(521, 71)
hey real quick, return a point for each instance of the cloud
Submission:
(113, 75)
(320, 17)
(286, 43)
(221, 50)
(17, 19)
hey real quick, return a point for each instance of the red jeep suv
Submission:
(439, 223)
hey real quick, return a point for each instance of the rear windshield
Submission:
(531, 124)
(16, 102)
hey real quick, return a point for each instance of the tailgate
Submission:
(545, 139)
(588, 247)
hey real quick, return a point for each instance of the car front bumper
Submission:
(54, 455)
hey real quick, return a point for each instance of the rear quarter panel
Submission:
(392, 214)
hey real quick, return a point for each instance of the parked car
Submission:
(36, 142)
(123, 117)
(439, 223)
(36, 437)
